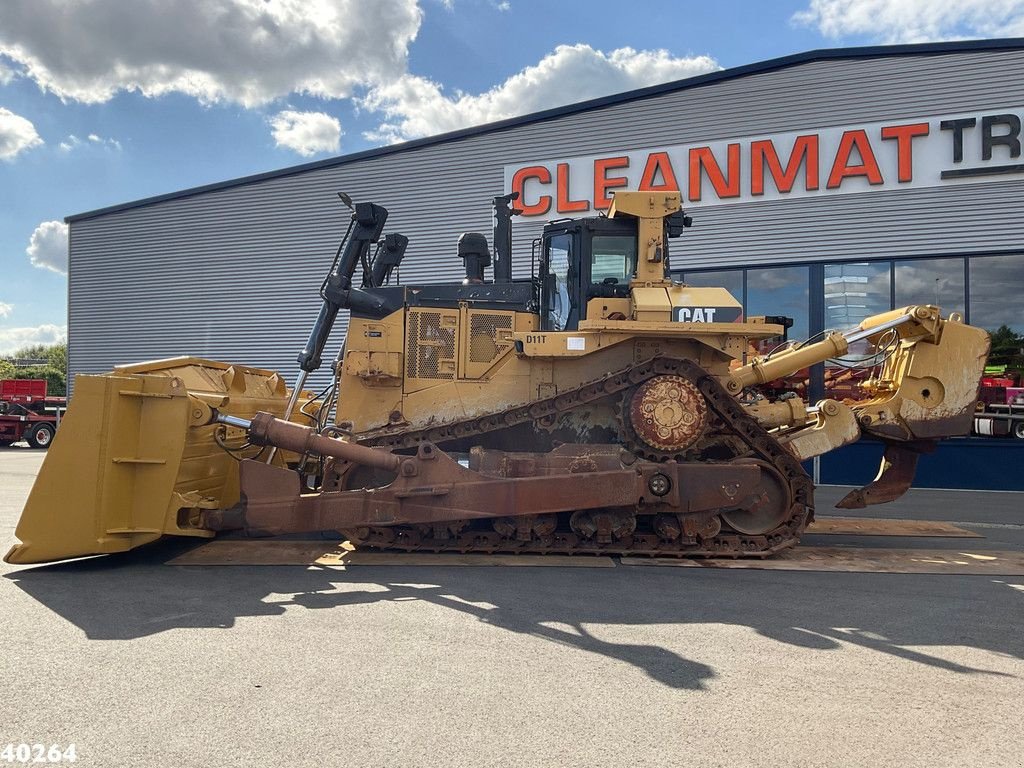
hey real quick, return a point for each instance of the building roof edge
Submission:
(822, 54)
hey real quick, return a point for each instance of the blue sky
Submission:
(107, 101)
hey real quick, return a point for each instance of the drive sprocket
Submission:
(667, 413)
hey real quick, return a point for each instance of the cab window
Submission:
(557, 300)
(613, 259)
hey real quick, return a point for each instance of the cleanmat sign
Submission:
(897, 154)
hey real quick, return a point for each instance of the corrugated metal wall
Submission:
(233, 273)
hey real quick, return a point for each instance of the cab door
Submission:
(581, 260)
(559, 274)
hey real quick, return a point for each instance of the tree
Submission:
(33, 352)
(1007, 348)
(57, 357)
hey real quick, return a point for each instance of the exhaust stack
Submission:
(503, 213)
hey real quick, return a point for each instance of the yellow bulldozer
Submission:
(595, 406)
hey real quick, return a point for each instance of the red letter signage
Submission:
(702, 158)
(542, 175)
(658, 162)
(904, 135)
(602, 182)
(805, 150)
(868, 166)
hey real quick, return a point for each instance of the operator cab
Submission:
(583, 259)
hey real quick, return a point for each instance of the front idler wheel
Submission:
(766, 508)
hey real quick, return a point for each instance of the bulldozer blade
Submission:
(135, 458)
(895, 475)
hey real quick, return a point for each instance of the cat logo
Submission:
(706, 314)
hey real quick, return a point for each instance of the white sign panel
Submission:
(897, 154)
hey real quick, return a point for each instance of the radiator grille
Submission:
(430, 351)
(485, 342)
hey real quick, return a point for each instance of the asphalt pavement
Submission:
(139, 663)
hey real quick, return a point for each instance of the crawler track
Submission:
(734, 431)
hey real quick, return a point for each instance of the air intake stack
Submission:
(474, 253)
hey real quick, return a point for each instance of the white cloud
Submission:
(306, 132)
(914, 21)
(17, 135)
(6, 74)
(48, 246)
(73, 142)
(415, 106)
(245, 51)
(13, 339)
(6, 309)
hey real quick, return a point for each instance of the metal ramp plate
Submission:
(326, 553)
(864, 560)
(854, 559)
(874, 526)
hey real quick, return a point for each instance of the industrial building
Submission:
(825, 186)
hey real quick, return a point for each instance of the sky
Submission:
(106, 101)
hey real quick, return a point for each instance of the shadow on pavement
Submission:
(134, 595)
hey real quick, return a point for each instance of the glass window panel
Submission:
(780, 291)
(730, 279)
(931, 281)
(854, 292)
(613, 258)
(997, 285)
(558, 266)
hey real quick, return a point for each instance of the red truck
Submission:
(27, 413)
(1000, 409)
